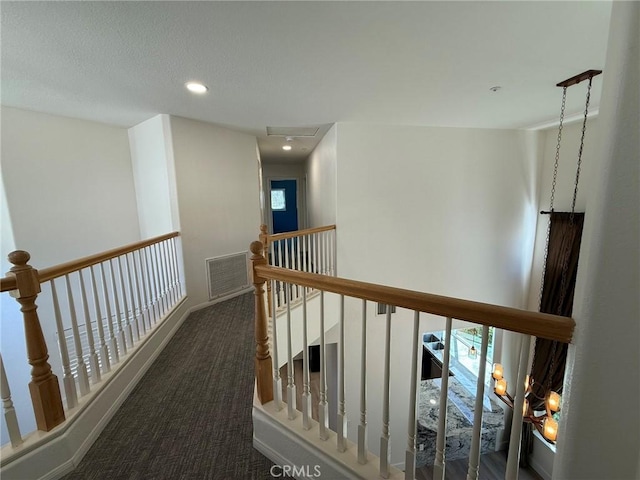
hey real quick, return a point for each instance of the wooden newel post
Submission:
(44, 388)
(264, 239)
(264, 365)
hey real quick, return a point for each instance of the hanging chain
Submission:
(584, 129)
(565, 266)
(553, 192)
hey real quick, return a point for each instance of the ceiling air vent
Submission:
(292, 131)
(227, 274)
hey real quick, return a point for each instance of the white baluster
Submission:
(172, 273)
(314, 254)
(146, 288)
(385, 444)
(287, 286)
(153, 290)
(168, 274)
(156, 279)
(281, 264)
(10, 417)
(122, 345)
(342, 416)
(277, 381)
(176, 270)
(306, 393)
(474, 453)
(69, 382)
(104, 351)
(128, 331)
(321, 245)
(410, 457)
(113, 344)
(305, 255)
(323, 407)
(513, 457)
(440, 461)
(298, 264)
(83, 378)
(362, 426)
(141, 306)
(134, 317)
(93, 356)
(291, 387)
(327, 255)
(334, 261)
(163, 276)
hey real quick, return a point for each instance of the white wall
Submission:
(152, 157)
(600, 407)
(322, 181)
(69, 193)
(440, 210)
(218, 196)
(68, 183)
(564, 183)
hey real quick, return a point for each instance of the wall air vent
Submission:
(292, 131)
(227, 275)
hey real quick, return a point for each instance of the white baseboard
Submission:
(285, 442)
(200, 306)
(65, 447)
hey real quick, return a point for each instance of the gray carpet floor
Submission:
(190, 415)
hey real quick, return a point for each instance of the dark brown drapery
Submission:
(557, 299)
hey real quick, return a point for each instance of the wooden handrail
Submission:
(299, 233)
(7, 284)
(542, 325)
(46, 274)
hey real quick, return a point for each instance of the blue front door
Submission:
(284, 205)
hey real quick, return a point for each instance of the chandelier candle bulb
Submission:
(501, 386)
(498, 371)
(553, 401)
(550, 429)
(525, 407)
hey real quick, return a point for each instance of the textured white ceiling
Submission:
(302, 63)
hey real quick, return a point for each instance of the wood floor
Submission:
(492, 465)
(314, 387)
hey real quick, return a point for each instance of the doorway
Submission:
(284, 205)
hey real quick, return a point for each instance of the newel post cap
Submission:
(27, 283)
(256, 248)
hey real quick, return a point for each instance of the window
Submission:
(278, 201)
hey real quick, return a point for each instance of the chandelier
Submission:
(544, 422)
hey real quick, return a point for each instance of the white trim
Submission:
(542, 457)
(286, 442)
(200, 306)
(50, 456)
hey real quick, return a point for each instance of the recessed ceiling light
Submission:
(286, 147)
(196, 87)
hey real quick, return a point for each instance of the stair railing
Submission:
(103, 306)
(268, 381)
(311, 250)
